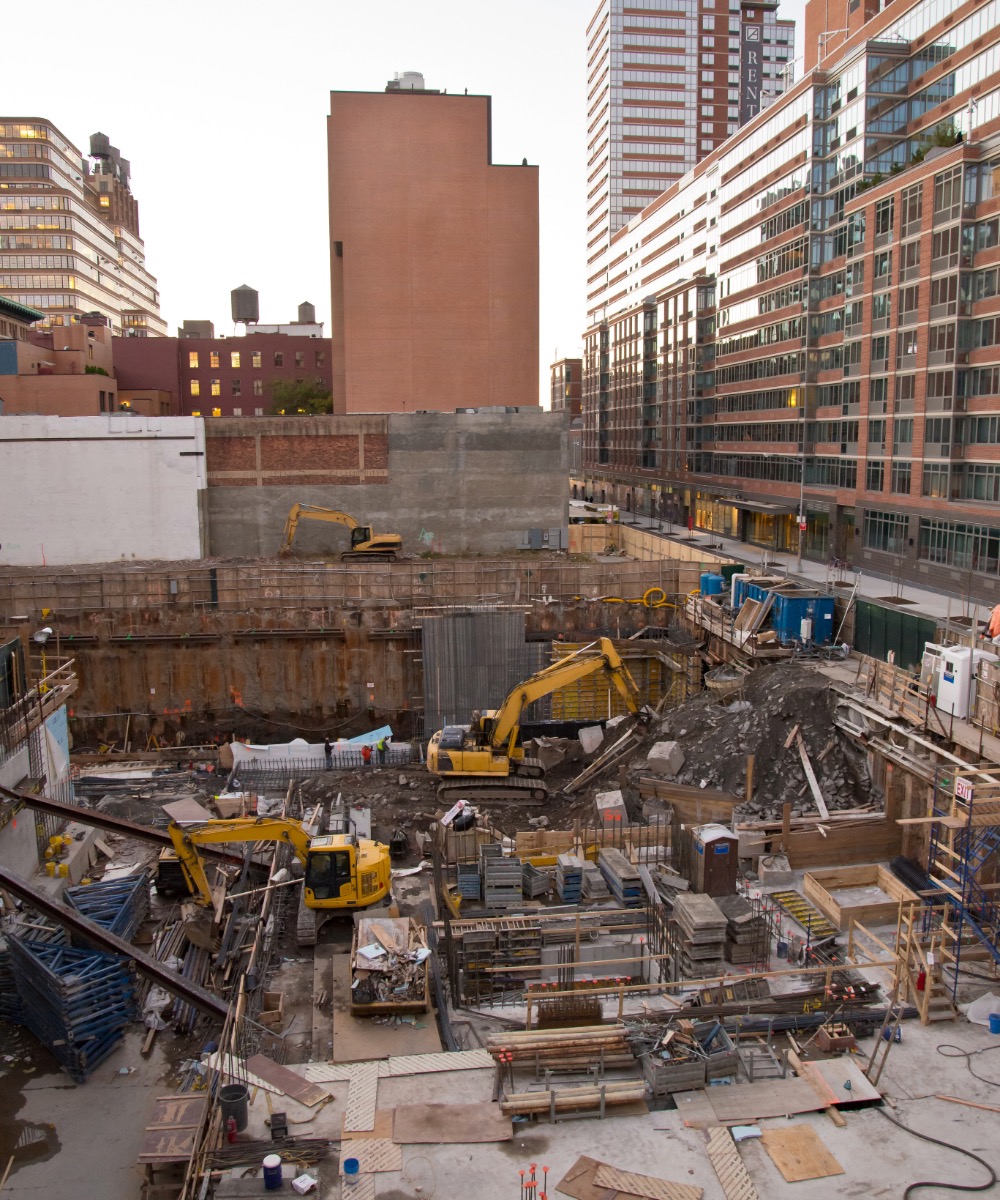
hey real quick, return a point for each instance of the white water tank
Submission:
(411, 81)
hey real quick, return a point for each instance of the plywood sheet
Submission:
(830, 1076)
(798, 1153)
(750, 1102)
(729, 1167)
(287, 1081)
(645, 1185)
(578, 1182)
(170, 1135)
(450, 1124)
(381, 1127)
(405, 1064)
(374, 1154)
(362, 1097)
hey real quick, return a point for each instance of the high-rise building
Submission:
(812, 361)
(69, 231)
(434, 255)
(667, 82)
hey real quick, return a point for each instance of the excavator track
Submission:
(368, 556)
(306, 925)
(518, 788)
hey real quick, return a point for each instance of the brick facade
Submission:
(291, 451)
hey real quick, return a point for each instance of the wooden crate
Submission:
(665, 1076)
(817, 886)
(272, 1014)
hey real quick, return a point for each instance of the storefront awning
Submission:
(758, 506)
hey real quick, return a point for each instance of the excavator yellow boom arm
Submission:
(187, 839)
(312, 512)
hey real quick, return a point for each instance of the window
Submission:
(944, 249)
(320, 358)
(255, 360)
(911, 205)
(906, 390)
(881, 309)
(234, 359)
(940, 391)
(237, 412)
(941, 342)
(237, 387)
(300, 358)
(901, 475)
(980, 481)
(216, 387)
(906, 346)
(944, 297)
(195, 387)
(884, 213)
(880, 352)
(909, 261)
(193, 359)
(935, 480)
(878, 396)
(875, 476)
(258, 412)
(258, 387)
(902, 435)
(883, 268)
(885, 531)
(195, 412)
(216, 412)
(909, 302)
(947, 195)
(966, 547)
(213, 359)
(876, 436)
(279, 358)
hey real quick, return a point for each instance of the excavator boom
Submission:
(364, 543)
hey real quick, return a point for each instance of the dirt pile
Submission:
(717, 738)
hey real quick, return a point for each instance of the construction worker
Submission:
(328, 753)
(993, 630)
(366, 755)
(380, 747)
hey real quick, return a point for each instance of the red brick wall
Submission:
(282, 451)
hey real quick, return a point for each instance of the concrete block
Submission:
(774, 868)
(665, 759)
(611, 807)
(591, 738)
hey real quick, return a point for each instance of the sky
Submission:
(221, 109)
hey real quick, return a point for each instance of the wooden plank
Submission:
(381, 1128)
(645, 1185)
(362, 1097)
(769, 1098)
(791, 737)
(729, 1167)
(286, 1081)
(450, 1124)
(824, 812)
(578, 1182)
(798, 1153)
(830, 1076)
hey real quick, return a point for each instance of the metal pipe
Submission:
(171, 981)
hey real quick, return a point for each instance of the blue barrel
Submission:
(711, 584)
(272, 1172)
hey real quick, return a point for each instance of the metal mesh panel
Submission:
(471, 660)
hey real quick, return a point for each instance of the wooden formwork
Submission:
(818, 886)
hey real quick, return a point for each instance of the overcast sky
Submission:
(221, 109)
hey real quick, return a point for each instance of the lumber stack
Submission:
(118, 905)
(745, 932)
(581, 1046)
(701, 928)
(621, 876)
(572, 1099)
(76, 1002)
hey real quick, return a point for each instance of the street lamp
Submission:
(41, 636)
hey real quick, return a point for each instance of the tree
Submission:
(293, 397)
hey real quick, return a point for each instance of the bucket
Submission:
(272, 1172)
(351, 1169)
(994, 1022)
(782, 949)
(234, 1101)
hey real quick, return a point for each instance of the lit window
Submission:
(258, 387)
(105, 201)
(193, 360)
(216, 387)
(256, 363)
(213, 358)
(300, 358)
(216, 412)
(195, 412)
(234, 358)
(279, 358)
(195, 387)
(237, 388)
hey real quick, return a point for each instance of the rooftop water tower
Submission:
(307, 313)
(246, 305)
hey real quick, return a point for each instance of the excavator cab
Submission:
(360, 536)
(343, 873)
(327, 872)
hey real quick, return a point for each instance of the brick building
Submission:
(220, 376)
(566, 386)
(816, 331)
(434, 255)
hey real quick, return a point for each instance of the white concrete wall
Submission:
(96, 489)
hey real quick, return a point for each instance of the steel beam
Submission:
(101, 939)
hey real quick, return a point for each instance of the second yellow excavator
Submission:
(342, 872)
(486, 761)
(365, 545)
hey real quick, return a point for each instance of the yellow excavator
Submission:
(485, 760)
(365, 545)
(342, 872)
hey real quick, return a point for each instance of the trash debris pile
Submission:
(390, 962)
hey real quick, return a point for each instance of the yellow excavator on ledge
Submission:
(365, 545)
(485, 760)
(342, 872)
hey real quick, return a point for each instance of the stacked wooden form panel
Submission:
(621, 876)
(701, 927)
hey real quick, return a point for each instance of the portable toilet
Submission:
(956, 691)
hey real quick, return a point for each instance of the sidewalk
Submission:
(924, 601)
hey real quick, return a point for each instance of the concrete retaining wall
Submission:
(453, 483)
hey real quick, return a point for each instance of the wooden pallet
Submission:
(727, 1164)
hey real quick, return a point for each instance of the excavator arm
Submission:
(187, 839)
(598, 656)
(312, 512)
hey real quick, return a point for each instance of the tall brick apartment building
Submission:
(816, 326)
